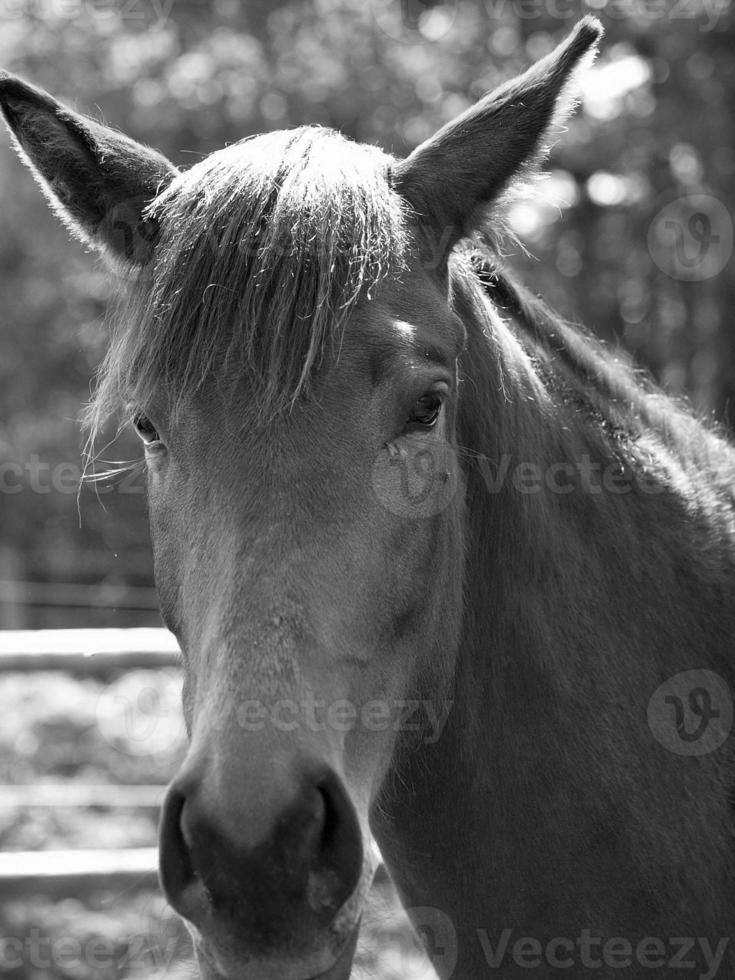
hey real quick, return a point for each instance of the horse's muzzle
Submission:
(277, 969)
(263, 875)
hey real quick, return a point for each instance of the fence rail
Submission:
(62, 873)
(89, 651)
(57, 874)
(80, 795)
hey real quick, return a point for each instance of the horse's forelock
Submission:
(265, 247)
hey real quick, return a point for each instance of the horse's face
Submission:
(311, 569)
(310, 565)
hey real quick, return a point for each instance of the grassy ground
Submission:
(59, 729)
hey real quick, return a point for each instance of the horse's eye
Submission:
(146, 429)
(426, 410)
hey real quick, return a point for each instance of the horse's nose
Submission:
(297, 870)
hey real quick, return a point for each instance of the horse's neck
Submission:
(578, 605)
(599, 561)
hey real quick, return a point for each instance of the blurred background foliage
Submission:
(656, 126)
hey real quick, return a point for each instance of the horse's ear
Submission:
(470, 161)
(97, 180)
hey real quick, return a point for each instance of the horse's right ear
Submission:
(451, 178)
(97, 180)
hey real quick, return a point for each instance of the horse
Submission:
(444, 569)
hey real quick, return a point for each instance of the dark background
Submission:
(655, 128)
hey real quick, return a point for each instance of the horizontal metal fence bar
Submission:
(87, 650)
(73, 873)
(103, 795)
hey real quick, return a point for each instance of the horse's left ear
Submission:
(470, 161)
(97, 180)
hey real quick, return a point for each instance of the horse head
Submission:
(288, 356)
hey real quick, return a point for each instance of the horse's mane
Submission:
(265, 247)
(602, 386)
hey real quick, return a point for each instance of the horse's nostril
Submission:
(254, 863)
(184, 829)
(331, 821)
(338, 864)
(179, 880)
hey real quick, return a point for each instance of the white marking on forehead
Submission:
(406, 330)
